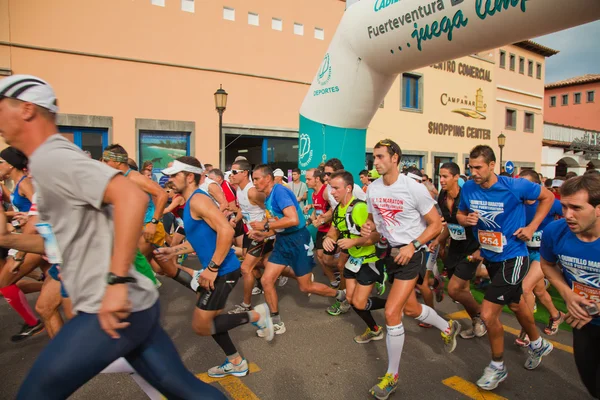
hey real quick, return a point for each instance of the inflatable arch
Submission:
(378, 39)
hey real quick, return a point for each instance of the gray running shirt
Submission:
(69, 188)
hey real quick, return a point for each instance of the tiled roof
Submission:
(578, 80)
(536, 48)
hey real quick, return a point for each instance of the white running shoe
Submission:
(283, 280)
(256, 291)
(278, 328)
(264, 323)
(492, 377)
(228, 368)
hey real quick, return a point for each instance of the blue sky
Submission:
(579, 52)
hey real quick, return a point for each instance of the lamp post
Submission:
(220, 106)
(501, 143)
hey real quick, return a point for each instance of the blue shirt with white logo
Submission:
(278, 200)
(580, 260)
(555, 211)
(501, 211)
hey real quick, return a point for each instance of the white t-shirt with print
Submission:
(398, 209)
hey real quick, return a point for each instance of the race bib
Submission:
(490, 240)
(457, 232)
(50, 243)
(353, 264)
(536, 240)
(587, 292)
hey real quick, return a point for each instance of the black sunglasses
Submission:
(327, 173)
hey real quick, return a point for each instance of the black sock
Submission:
(375, 303)
(226, 322)
(367, 317)
(183, 278)
(225, 343)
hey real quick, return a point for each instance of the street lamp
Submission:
(220, 106)
(501, 143)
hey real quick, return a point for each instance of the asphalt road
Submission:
(316, 358)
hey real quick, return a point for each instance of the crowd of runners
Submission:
(101, 232)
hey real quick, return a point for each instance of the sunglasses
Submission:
(237, 171)
(327, 173)
(390, 144)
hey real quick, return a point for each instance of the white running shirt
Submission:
(250, 212)
(398, 209)
(204, 186)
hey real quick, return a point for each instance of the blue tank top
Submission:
(204, 239)
(20, 203)
(150, 210)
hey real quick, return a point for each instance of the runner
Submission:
(361, 271)
(214, 191)
(364, 179)
(533, 284)
(574, 243)
(210, 235)
(494, 206)
(404, 213)
(293, 243)
(91, 224)
(462, 245)
(298, 187)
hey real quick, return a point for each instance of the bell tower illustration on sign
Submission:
(479, 106)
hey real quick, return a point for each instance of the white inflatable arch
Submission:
(378, 39)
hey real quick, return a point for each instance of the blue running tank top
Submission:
(204, 239)
(20, 203)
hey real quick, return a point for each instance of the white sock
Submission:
(536, 344)
(497, 364)
(121, 366)
(429, 316)
(395, 342)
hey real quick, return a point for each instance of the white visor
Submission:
(182, 167)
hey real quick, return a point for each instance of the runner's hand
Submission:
(476, 256)
(472, 218)
(345, 244)
(207, 279)
(306, 208)
(575, 305)
(114, 309)
(575, 322)
(164, 254)
(524, 234)
(367, 228)
(21, 217)
(233, 222)
(435, 243)
(257, 225)
(258, 236)
(406, 253)
(317, 222)
(328, 244)
(149, 231)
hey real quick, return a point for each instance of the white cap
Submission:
(31, 89)
(557, 183)
(278, 172)
(178, 167)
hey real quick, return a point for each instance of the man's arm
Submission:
(217, 193)
(304, 192)
(159, 196)
(546, 200)
(174, 204)
(434, 226)
(289, 219)
(27, 242)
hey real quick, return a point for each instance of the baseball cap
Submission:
(31, 89)
(178, 167)
(556, 183)
(278, 172)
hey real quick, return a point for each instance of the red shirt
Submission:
(321, 206)
(228, 191)
(178, 211)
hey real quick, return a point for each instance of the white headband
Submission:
(415, 177)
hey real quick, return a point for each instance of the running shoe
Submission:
(370, 335)
(334, 284)
(492, 377)
(439, 290)
(477, 330)
(380, 286)
(546, 283)
(239, 309)
(553, 324)
(450, 338)
(535, 356)
(522, 340)
(278, 328)
(387, 386)
(256, 291)
(228, 368)
(334, 309)
(264, 323)
(283, 280)
(28, 331)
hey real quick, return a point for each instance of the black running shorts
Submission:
(506, 285)
(416, 267)
(212, 300)
(368, 274)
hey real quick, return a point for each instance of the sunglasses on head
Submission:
(237, 171)
(390, 144)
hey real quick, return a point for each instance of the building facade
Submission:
(572, 102)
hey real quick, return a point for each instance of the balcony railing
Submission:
(565, 134)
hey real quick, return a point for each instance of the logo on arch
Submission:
(305, 152)
(324, 74)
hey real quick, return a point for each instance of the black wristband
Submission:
(213, 267)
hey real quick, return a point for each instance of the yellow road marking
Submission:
(464, 315)
(234, 386)
(470, 390)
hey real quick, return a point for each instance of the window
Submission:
(93, 140)
(513, 60)
(276, 24)
(530, 68)
(160, 3)
(528, 122)
(229, 14)
(298, 29)
(412, 87)
(319, 34)
(577, 98)
(187, 5)
(511, 119)
(538, 74)
(252, 19)
(590, 96)
(521, 65)
(565, 99)
(552, 101)
(502, 59)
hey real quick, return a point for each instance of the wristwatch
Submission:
(213, 266)
(267, 227)
(154, 221)
(416, 244)
(113, 279)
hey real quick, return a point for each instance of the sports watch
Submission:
(416, 244)
(113, 279)
(154, 221)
